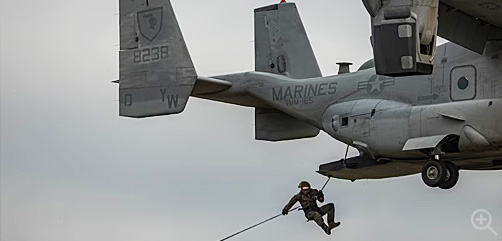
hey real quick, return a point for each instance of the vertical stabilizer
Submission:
(156, 72)
(282, 47)
(281, 43)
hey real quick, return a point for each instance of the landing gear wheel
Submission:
(452, 176)
(434, 173)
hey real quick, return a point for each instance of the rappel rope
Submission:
(256, 225)
(279, 215)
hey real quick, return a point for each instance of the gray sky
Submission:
(71, 169)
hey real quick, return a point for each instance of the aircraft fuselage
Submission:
(381, 114)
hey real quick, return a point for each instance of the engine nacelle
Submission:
(404, 35)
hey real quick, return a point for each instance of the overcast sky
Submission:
(72, 169)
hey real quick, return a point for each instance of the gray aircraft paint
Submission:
(156, 71)
(378, 115)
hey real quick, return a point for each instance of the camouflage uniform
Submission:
(308, 201)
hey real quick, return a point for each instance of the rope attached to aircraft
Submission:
(279, 215)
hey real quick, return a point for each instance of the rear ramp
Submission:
(360, 167)
(156, 72)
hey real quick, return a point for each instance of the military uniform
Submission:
(308, 200)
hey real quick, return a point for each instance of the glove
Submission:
(320, 193)
(285, 212)
(320, 196)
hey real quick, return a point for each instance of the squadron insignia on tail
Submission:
(156, 72)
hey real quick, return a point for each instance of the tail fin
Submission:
(156, 72)
(281, 43)
(282, 47)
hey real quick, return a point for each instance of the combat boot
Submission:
(334, 225)
(326, 229)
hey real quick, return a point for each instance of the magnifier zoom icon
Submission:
(482, 220)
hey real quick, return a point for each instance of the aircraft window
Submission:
(463, 83)
(345, 121)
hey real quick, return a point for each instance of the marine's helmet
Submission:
(304, 185)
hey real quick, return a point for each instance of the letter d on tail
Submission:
(153, 57)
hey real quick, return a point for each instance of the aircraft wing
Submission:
(470, 23)
(488, 11)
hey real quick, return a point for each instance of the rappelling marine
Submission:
(308, 199)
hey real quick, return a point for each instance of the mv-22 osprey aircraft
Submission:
(405, 122)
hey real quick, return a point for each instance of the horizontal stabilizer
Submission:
(205, 85)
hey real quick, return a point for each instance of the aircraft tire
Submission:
(452, 176)
(434, 173)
